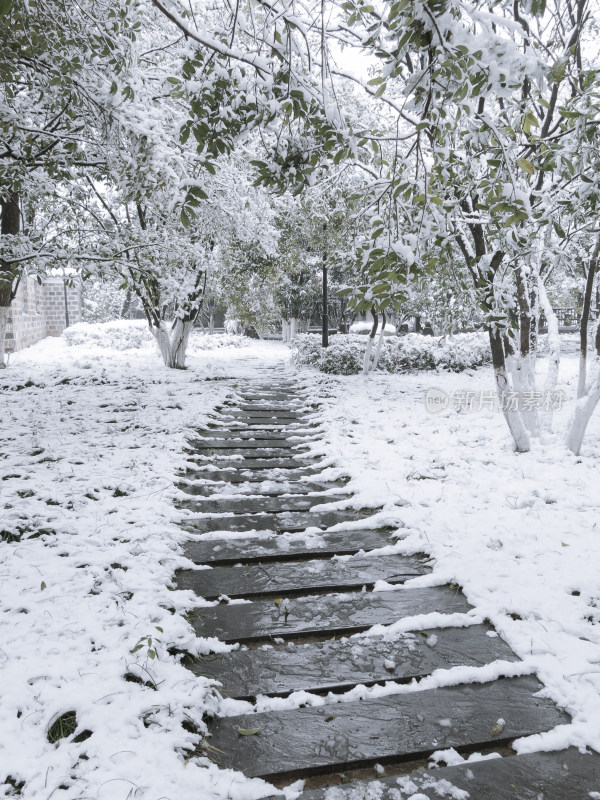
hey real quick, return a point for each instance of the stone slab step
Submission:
(268, 422)
(563, 775)
(281, 416)
(245, 463)
(281, 396)
(330, 615)
(340, 665)
(243, 445)
(283, 547)
(277, 523)
(317, 740)
(243, 434)
(265, 489)
(272, 407)
(239, 450)
(256, 505)
(292, 576)
(233, 474)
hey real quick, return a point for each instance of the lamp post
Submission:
(325, 334)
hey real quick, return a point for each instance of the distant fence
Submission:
(568, 318)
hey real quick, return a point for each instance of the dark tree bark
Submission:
(585, 319)
(10, 274)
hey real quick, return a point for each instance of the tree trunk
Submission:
(583, 412)
(285, 330)
(379, 342)
(523, 368)
(512, 416)
(4, 313)
(372, 334)
(173, 344)
(293, 327)
(585, 317)
(554, 354)
(10, 225)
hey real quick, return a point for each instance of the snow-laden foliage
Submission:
(134, 335)
(106, 300)
(345, 354)
(203, 341)
(117, 335)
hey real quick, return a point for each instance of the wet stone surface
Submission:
(280, 547)
(286, 521)
(243, 474)
(263, 489)
(310, 740)
(341, 664)
(246, 445)
(293, 635)
(253, 505)
(282, 579)
(259, 463)
(256, 417)
(252, 451)
(331, 614)
(566, 775)
(242, 434)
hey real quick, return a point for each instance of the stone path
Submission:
(252, 472)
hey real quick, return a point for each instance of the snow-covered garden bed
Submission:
(345, 354)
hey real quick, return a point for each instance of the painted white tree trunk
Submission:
(583, 411)
(367, 361)
(293, 327)
(553, 355)
(512, 416)
(522, 372)
(173, 343)
(4, 312)
(378, 350)
(285, 330)
(530, 409)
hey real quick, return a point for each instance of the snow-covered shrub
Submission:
(118, 335)
(341, 357)
(204, 341)
(409, 353)
(306, 349)
(134, 334)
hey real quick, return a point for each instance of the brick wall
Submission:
(39, 310)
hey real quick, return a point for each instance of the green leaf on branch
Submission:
(526, 166)
(5, 7)
(559, 230)
(559, 69)
(196, 191)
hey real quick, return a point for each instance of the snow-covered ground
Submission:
(91, 440)
(90, 445)
(519, 532)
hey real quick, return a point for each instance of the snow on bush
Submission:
(365, 327)
(117, 335)
(135, 334)
(204, 341)
(345, 354)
